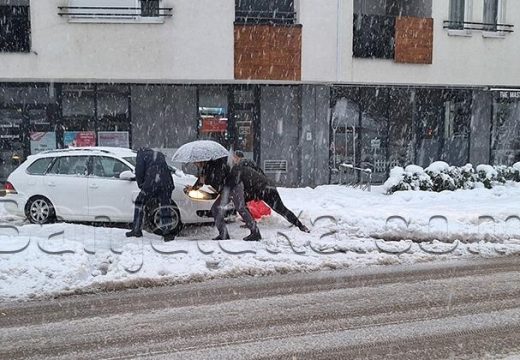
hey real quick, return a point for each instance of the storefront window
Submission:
(12, 141)
(78, 107)
(344, 127)
(443, 123)
(113, 117)
(79, 121)
(374, 131)
(112, 108)
(401, 139)
(27, 95)
(505, 135)
(213, 114)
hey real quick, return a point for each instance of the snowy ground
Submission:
(349, 228)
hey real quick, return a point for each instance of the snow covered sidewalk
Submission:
(349, 228)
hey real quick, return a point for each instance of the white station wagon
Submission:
(95, 184)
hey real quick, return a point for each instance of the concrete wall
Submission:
(196, 43)
(280, 114)
(314, 137)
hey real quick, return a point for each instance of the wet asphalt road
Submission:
(467, 310)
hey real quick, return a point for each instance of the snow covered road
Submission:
(462, 309)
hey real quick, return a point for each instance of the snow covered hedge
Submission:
(439, 176)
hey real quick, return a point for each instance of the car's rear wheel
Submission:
(153, 219)
(39, 210)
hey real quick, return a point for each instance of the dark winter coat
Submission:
(254, 182)
(213, 173)
(152, 172)
(251, 164)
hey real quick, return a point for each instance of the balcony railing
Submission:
(108, 12)
(478, 26)
(265, 17)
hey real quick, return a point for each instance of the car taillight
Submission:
(9, 188)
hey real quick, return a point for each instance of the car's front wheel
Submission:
(153, 219)
(39, 210)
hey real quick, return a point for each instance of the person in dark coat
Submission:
(212, 173)
(240, 159)
(215, 174)
(155, 181)
(246, 184)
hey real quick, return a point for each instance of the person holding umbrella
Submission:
(214, 163)
(240, 183)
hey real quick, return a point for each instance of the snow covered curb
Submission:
(347, 228)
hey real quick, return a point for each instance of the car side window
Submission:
(70, 165)
(108, 167)
(40, 166)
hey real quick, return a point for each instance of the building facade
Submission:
(301, 86)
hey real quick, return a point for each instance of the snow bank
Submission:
(349, 228)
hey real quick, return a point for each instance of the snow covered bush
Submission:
(411, 178)
(440, 176)
(487, 175)
(508, 173)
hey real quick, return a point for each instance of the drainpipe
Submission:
(338, 9)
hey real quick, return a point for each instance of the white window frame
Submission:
(501, 19)
(468, 16)
(133, 19)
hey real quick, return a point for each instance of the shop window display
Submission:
(213, 115)
(505, 133)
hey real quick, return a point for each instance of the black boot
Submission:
(168, 237)
(254, 236)
(134, 233)
(304, 228)
(221, 237)
(137, 223)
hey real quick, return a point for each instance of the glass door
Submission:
(244, 132)
(244, 125)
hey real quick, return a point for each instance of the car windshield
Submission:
(131, 160)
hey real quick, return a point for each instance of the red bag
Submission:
(258, 209)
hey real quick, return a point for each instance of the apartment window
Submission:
(149, 8)
(457, 13)
(490, 15)
(15, 26)
(373, 36)
(264, 12)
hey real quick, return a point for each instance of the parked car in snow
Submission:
(95, 184)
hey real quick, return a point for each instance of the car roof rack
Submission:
(75, 149)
